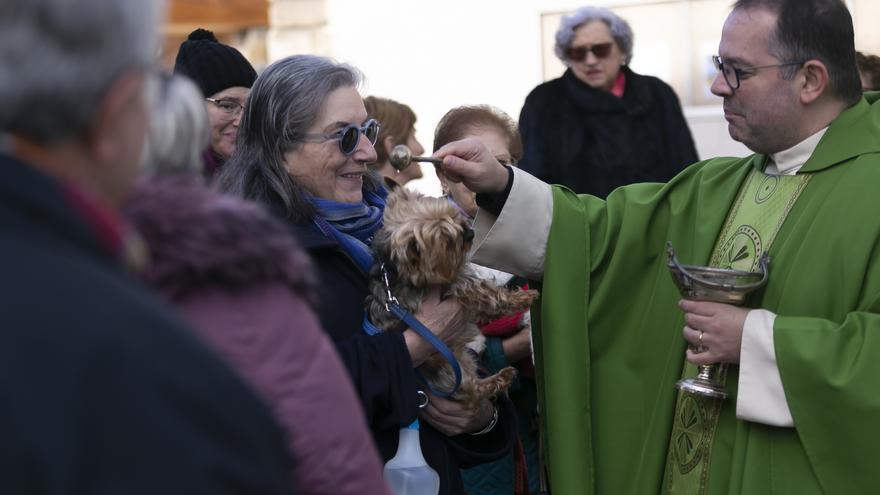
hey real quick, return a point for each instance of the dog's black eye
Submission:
(468, 234)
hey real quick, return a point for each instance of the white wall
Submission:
(434, 56)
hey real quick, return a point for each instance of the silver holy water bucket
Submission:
(704, 283)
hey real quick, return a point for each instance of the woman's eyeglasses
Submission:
(349, 136)
(578, 53)
(228, 107)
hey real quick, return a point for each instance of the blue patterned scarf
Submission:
(352, 225)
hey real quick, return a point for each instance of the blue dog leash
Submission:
(393, 306)
(365, 260)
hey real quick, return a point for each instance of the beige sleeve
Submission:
(516, 240)
(760, 396)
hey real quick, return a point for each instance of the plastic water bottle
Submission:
(407, 473)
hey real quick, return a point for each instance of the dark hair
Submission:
(284, 102)
(869, 67)
(397, 120)
(458, 121)
(815, 29)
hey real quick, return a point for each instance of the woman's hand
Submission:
(443, 318)
(453, 418)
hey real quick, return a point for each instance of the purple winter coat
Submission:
(239, 278)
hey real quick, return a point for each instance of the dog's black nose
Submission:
(468, 234)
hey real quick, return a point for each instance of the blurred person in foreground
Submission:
(225, 77)
(239, 278)
(508, 339)
(804, 358)
(103, 390)
(601, 125)
(398, 126)
(306, 140)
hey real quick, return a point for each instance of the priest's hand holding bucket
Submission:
(714, 331)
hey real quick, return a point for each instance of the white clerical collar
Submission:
(788, 162)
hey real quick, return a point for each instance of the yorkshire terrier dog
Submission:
(424, 243)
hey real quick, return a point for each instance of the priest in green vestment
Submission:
(613, 335)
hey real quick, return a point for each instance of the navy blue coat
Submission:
(102, 391)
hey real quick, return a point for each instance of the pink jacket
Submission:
(241, 281)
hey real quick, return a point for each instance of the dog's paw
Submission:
(522, 299)
(504, 378)
(491, 386)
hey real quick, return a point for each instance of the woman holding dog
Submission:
(305, 141)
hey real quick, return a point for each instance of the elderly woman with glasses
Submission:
(304, 145)
(601, 125)
(225, 77)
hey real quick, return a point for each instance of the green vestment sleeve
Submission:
(609, 347)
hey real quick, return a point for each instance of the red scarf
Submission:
(619, 85)
(505, 327)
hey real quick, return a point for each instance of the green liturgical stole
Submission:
(752, 223)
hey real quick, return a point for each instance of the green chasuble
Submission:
(609, 344)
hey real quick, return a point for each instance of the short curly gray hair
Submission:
(620, 30)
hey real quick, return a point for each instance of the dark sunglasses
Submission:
(349, 135)
(578, 53)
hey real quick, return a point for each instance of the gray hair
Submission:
(620, 30)
(58, 57)
(179, 130)
(283, 104)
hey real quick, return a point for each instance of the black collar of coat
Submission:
(637, 97)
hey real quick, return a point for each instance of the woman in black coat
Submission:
(601, 125)
(304, 144)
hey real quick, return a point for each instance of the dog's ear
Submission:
(400, 206)
(401, 195)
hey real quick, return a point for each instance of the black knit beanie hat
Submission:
(211, 64)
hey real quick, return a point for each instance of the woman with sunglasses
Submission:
(601, 125)
(304, 145)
